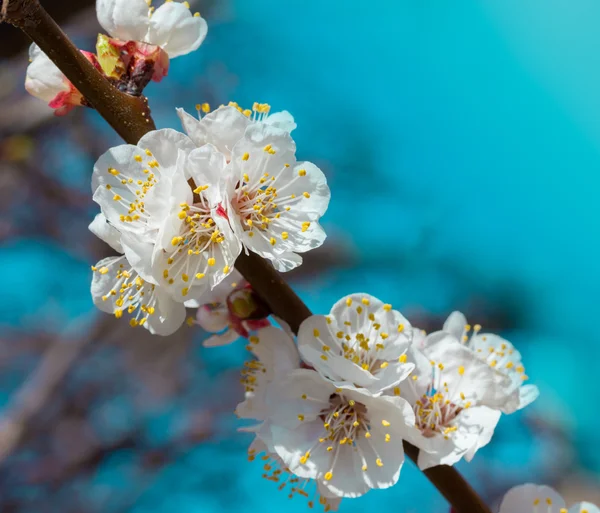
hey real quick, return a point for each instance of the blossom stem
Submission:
(130, 118)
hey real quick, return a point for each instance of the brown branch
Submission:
(128, 117)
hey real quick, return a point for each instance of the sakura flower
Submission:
(362, 343)
(276, 471)
(174, 232)
(276, 355)
(347, 439)
(118, 288)
(275, 202)
(531, 498)
(196, 248)
(46, 82)
(450, 392)
(226, 126)
(499, 354)
(172, 26)
(231, 310)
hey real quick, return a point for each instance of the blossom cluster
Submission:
(335, 408)
(531, 498)
(179, 208)
(137, 50)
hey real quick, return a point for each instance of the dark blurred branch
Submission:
(40, 386)
(131, 121)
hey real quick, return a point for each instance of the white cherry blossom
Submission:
(46, 82)
(451, 391)
(117, 288)
(498, 353)
(175, 232)
(171, 26)
(349, 440)
(362, 342)
(225, 127)
(532, 498)
(275, 202)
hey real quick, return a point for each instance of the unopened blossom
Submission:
(362, 342)
(532, 498)
(172, 26)
(349, 440)
(118, 289)
(499, 354)
(225, 127)
(277, 472)
(175, 231)
(231, 310)
(46, 82)
(451, 391)
(274, 202)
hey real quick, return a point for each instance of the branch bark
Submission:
(129, 116)
(131, 121)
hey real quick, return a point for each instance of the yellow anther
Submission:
(302, 172)
(103, 270)
(205, 108)
(379, 462)
(272, 241)
(461, 370)
(182, 214)
(284, 235)
(138, 158)
(116, 197)
(316, 332)
(199, 276)
(165, 274)
(403, 358)
(184, 291)
(385, 423)
(226, 269)
(118, 314)
(300, 417)
(185, 277)
(211, 261)
(384, 365)
(306, 194)
(396, 390)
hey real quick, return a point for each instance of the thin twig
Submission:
(131, 121)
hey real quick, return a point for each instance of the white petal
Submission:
(522, 498)
(312, 182)
(584, 507)
(223, 128)
(527, 394)
(138, 251)
(44, 80)
(283, 120)
(176, 30)
(106, 232)
(213, 318)
(455, 325)
(168, 317)
(206, 166)
(124, 19)
(478, 423)
(221, 340)
(164, 145)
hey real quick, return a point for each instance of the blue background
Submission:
(461, 144)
